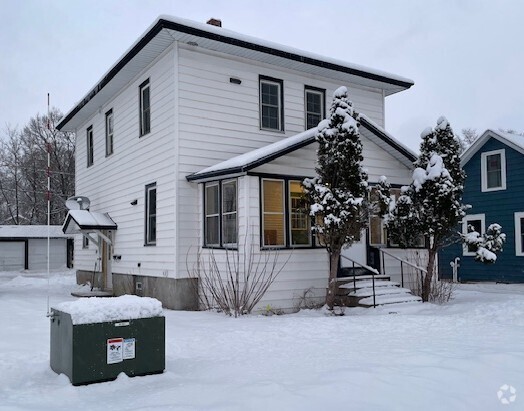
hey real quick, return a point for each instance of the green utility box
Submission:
(97, 352)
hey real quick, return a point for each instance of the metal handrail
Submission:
(402, 262)
(368, 268)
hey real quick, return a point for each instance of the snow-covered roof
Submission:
(514, 141)
(247, 161)
(77, 220)
(167, 29)
(31, 231)
(99, 310)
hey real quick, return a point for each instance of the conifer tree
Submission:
(338, 194)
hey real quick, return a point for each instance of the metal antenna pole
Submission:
(48, 194)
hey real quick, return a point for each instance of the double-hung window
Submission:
(220, 209)
(472, 222)
(109, 132)
(90, 146)
(285, 214)
(271, 104)
(145, 108)
(519, 234)
(150, 231)
(314, 106)
(493, 172)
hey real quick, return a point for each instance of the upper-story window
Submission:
(109, 132)
(472, 222)
(145, 108)
(90, 146)
(314, 106)
(220, 209)
(493, 172)
(150, 232)
(271, 104)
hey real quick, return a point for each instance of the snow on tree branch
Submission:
(486, 246)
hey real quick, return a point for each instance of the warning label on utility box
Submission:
(115, 350)
(129, 349)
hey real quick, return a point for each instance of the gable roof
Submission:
(32, 231)
(86, 220)
(167, 29)
(514, 141)
(255, 158)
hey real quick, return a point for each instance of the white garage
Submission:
(24, 247)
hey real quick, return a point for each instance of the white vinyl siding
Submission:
(493, 170)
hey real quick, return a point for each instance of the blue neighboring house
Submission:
(494, 188)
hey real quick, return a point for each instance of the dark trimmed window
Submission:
(285, 216)
(220, 214)
(271, 104)
(493, 172)
(150, 232)
(90, 146)
(109, 132)
(145, 108)
(314, 106)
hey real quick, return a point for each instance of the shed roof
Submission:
(514, 141)
(247, 161)
(32, 231)
(167, 29)
(86, 220)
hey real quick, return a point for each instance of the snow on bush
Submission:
(487, 245)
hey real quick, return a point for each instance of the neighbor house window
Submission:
(493, 172)
(519, 234)
(220, 209)
(150, 234)
(85, 242)
(145, 108)
(285, 216)
(90, 147)
(271, 104)
(314, 104)
(473, 222)
(109, 132)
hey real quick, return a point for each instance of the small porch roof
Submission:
(242, 163)
(78, 221)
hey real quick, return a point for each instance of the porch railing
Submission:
(403, 263)
(372, 270)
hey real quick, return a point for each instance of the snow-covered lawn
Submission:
(423, 356)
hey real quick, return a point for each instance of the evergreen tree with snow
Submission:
(338, 194)
(431, 206)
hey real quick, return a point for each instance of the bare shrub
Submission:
(235, 280)
(308, 301)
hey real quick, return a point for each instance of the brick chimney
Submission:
(214, 22)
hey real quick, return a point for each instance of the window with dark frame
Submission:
(285, 217)
(150, 229)
(109, 132)
(519, 234)
(220, 214)
(145, 108)
(472, 222)
(90, 146)
(314, 106)
(271, 104)
(494, 170)
(85, 242)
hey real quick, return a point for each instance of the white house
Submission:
(24, 247)
(197, 138)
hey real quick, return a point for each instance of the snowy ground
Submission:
(427, 357)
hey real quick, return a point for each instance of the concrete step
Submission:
(368, 284)
(389, 299)
(362, 278)
(368, 292)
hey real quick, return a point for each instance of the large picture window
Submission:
(314, 106)
(150, 234)
(493, 172)
(285, 217)
(145, 108)
(271, 104)
(220, 209)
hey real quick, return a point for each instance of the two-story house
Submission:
(494, 188)
(196, 141)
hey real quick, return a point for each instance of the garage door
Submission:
(12, 255)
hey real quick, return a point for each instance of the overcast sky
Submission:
(465, 56)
